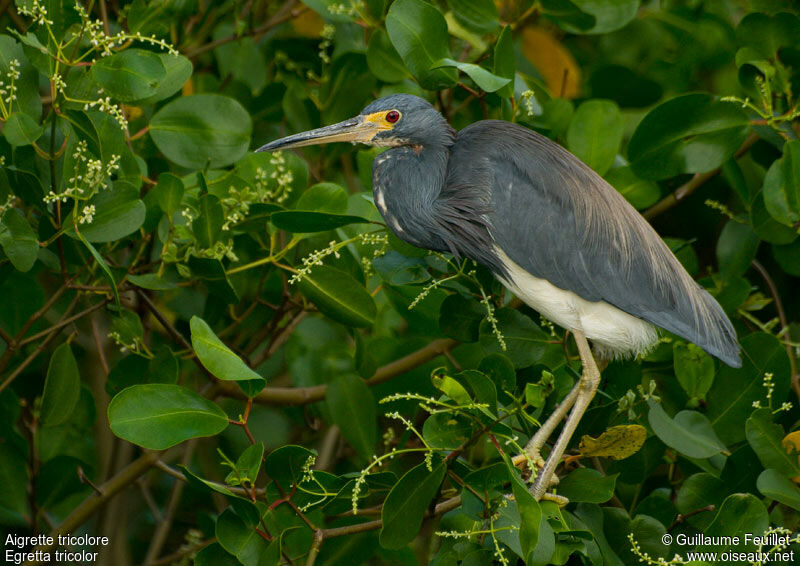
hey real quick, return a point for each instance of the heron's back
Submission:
(561, 222)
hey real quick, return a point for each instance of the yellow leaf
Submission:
(308, 24)
(791, 443)
(618, 442)
(553, 61)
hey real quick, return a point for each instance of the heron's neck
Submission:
(407, 181)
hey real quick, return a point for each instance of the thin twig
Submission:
(164, 526)
(693, 184)
(33, 355)
(440, 509)
(110, 488)
(306, 395)
(776, 298)
(65, 322)
(284, 14)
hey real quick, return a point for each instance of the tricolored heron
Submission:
(550, 229)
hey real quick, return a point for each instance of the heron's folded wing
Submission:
(560, 221)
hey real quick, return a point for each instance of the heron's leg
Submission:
(590, 379)
(535, 444)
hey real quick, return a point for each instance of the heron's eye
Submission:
(392, 116)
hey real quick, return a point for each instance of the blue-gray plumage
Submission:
(551, 229)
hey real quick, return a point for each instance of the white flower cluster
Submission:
(282, 176)
(314, 258)
(9, 204)
(58, 83)
(349, 9)
(8, 93)
(36, 11)
(527, 101)
(106, 106)
(328, 32)
(88, 176)
(99, 39)
(87, 215)
(493, 320)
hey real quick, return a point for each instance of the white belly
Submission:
(614, 332)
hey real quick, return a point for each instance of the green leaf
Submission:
(479, 16)
(460, 317)
(736, 249)
(168, 193)
(128, 326)
(689, 432)
(178, 70)
(740, 513)
(487, 81)
(242, 60)
(610, 15)
(216, 357)
(447, 431)
(14, 478)
(339, 296)
(775, 485)
(406, 503)
(62, 387)
(568, 15)
(215, 555)
(158, 415)
(207, 227)
(239, 539)
(588, 486)
(151, 281)
(118, 213)
(693, 368)
(300, 221)
(526, 343)
(21, 129)
(419, 33)
(782, 186)
(689, 134)
(530, 512)
(638, 192)
(212, 273)
(130, 75)
(353, 411)
(103, 267)
(383, 59)
(247, 466)
(698, 491)
(788, 257)
(18, 240)
(766, 227)
(730, 400)
(202, 130)
(323, 197)
(595, 134)
(765, 438)
(285, 464)
(504, 61)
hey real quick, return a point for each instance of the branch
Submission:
(773, 290)
(284, 14)
(682, 192)
(92, 503)
(440, 509)
(306, 395)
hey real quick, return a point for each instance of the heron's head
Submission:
(394, 120)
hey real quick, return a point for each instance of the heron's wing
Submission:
(560, 221)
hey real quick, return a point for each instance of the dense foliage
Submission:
(215, 355)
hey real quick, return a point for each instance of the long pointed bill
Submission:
(359, 129)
